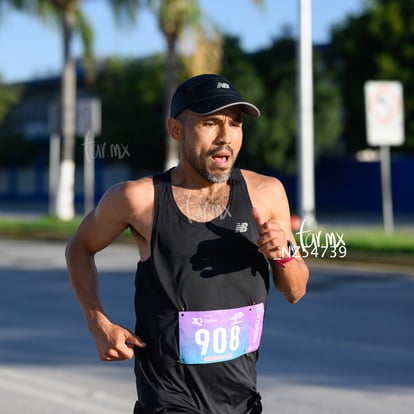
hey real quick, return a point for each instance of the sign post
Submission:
(385, 127)
(54, 155)
(88, 124)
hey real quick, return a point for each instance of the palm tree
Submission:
(207, 51)
(70, 18)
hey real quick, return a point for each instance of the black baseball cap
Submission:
(206, 94)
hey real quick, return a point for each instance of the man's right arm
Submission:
(99, 229)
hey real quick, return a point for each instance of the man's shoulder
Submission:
(131, 192)
(267, 193)
(138, 185)
(261, 181)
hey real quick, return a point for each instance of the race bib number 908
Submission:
(220, 335)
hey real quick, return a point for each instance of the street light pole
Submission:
(305, 151)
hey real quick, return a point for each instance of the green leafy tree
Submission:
(8, 97)
(376, 44)
(238, 67)
(268, 78)
(12, 146)
(130, 110)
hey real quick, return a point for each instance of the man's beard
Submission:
(201, 168)
(217, 179)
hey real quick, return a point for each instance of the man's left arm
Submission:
(290, 272)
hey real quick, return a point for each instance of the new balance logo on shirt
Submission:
(241, 227)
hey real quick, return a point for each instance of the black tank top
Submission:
(196, 266)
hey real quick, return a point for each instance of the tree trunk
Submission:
(65, 209)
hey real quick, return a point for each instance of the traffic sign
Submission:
(384, 113)
(88, 116)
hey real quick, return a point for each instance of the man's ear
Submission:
(175, 128)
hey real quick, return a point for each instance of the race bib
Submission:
(220, 335)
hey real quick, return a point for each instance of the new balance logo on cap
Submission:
(206, 94)
(223, 85)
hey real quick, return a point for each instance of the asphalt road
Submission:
(347, 347)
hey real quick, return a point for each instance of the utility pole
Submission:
(305, 148)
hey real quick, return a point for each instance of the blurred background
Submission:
(122, 59)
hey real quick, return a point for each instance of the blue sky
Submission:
(30, 48)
